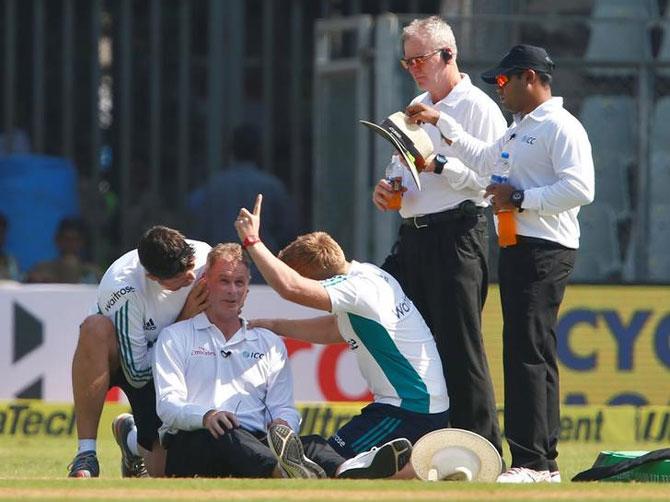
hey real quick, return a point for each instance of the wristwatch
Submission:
(517, 198)
(440, 160)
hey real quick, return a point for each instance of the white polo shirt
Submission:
(480, 116)
(196, 370)
(140, 308)
(550, 160)
(394, 348)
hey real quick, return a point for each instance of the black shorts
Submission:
(380, 423)
(143, 404)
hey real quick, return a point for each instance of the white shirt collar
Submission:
(201, 321)
(458, 93)
(543, 111)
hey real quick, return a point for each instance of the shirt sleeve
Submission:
(485, 124)
(348, 294)
(571, 157)
(479, 155)
(460, 177)
(279, 395)
(172, 403)
(126, 310)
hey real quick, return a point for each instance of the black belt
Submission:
(538, 242)
(465, 209)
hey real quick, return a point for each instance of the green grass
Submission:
(36, 468)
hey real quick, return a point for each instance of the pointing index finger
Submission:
(258, 204)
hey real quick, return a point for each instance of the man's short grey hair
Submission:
(433, 28)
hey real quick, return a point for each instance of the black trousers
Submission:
(238, 453)
(533, 276)
(443, 269)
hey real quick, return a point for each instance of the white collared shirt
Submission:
(550, 160)
(480, 116)
(196, 370)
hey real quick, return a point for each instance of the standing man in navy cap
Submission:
(551, 176)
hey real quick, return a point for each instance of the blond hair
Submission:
(315, 255)
(433, 28)
(229, 251)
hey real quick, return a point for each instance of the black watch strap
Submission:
(517, 198)
(440, 161)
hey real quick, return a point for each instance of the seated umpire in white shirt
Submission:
(225, 395)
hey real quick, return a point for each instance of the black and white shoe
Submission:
(286, 446)
(132, 466)
(381, 462)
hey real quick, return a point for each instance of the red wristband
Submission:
(250, 241)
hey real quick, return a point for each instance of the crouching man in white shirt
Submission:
(225, 395)
(395, 350)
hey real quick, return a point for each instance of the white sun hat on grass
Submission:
(455, 455)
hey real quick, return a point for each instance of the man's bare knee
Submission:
(97, 329)
(97, 338)
(98, 326)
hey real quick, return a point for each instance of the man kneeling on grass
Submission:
(225, 395)
(395, 351)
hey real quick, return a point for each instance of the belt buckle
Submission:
(416, 225)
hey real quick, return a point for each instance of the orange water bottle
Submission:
(506, 228)
(394, 171)
(506, 217)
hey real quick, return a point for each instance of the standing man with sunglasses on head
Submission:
(440, 257)
(550, 177)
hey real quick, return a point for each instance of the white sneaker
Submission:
(376, 463)
(555, 477)
(524, 475)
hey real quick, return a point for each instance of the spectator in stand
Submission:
(9, 269)
(69, 267)
(215, 205)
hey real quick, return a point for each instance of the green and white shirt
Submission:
(395, 350)
(140, 308)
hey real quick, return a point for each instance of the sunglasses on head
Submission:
(417, 60)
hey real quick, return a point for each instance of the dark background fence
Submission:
(142, 96)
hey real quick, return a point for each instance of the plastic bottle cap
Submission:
(505, 155)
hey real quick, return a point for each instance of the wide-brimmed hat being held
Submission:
(410, 140)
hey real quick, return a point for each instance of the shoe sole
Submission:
(287, 447)
(116, 432)
(116, 429)
(390, 459)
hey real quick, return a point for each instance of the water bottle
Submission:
(394, 171)
(506, 219)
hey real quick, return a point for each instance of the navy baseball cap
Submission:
(521, 57)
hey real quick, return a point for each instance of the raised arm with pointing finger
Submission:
(394, 348)
(283, 279)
